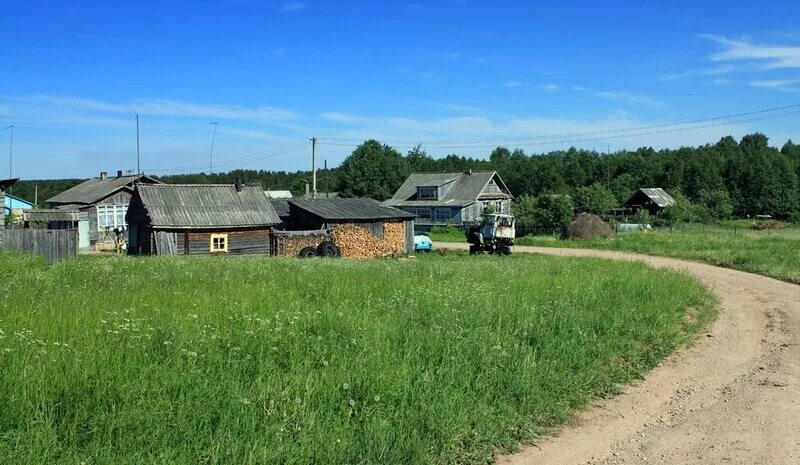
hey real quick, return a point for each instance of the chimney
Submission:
(103, 175)
(308, 190)
(239, 184)
(119, 173)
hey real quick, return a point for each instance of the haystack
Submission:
(587, 226)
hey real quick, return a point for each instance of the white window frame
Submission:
(109, 214)
(221, 245)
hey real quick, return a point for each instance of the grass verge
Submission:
(264, 360)
(769, 253)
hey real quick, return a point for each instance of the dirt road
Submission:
(731, 398)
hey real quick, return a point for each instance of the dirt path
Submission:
(731, 398)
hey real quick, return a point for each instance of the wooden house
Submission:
(197, 219)
(105, 201)
(652, 199)
(451, 198)
(360, 227)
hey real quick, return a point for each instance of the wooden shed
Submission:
(196, 219)
(652, 199)
(361, 228)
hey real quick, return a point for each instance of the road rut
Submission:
(733, 397)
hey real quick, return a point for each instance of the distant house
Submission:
(278, 194)
(104, 199)
(16, 203)
(652, 199)
(451, 198)
(4, 185)
(200, 219)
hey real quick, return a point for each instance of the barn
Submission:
(361, 228)
(195, 219)
(652, 199)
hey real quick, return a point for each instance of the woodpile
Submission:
(359, 243)
(290, 245)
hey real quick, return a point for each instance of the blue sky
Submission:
(272, 74)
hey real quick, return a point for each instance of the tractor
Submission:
(494, 235)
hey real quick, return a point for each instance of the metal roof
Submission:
(462, 187)
(278, 194)
(350, 209)
(428, 203)
(95, 189)
(205, 206)
(281, 207)
(658, 195)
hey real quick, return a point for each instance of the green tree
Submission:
(594, 199)
(524, 209)
(682, 211)
(553, 211)
(717, 202)
(373, 170)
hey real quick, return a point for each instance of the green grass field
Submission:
(118, 360)
(447, 234)
(770, 253)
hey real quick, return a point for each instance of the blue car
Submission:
(422, 243)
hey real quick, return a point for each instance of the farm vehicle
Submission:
(495, 234)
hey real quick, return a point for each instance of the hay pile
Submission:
(359, 243)
(768, 224)
(586, 227)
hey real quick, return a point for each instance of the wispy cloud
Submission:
(784, 85)
(712, 71)
(551, 88)
(514, 83)
(621, 96)
(163, 107)
(345, 118)
(767, 56)
(294, 6)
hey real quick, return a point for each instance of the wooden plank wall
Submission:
(166, 243)
(53, 244)
(257, 241)
(408, 247)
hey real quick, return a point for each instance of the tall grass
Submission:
(262, 360)
(769, 253)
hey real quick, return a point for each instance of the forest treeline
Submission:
(751, 176)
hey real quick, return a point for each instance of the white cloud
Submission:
(721, 82)
(514, 83)
(619, 96)
(713, 71)
(551, 87)
(345, 118)
(785, 85)
(294, 6)
(767, 56)
(164, 107)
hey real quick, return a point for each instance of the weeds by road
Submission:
(265, 360)
(769, 253)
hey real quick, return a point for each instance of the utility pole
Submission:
(10, 150)
(211, 155)
(36, 195)
(327, 186)
(138, 163)
(313, 167)
(608, 166)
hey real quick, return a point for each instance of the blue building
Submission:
(15, 203)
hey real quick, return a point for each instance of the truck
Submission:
(495, 234)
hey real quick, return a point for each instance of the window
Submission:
(421, 212)
(426, 193)
(442, 214)
(219, 243)
(111, 216)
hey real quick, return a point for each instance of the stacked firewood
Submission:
(291, 245)
(359, 243)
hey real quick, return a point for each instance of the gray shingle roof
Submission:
(206, 206)
(462, 188)
(95, 189)
(350, 209)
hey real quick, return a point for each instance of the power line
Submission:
(583, 133)
(256, 156)
(601, 135)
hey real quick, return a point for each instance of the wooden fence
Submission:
(53, 244)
